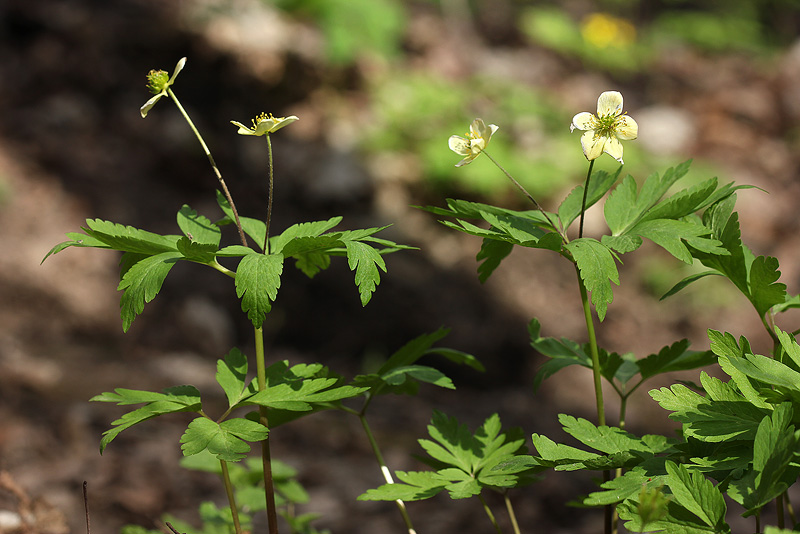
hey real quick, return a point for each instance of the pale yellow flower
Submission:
(158, 82)
(604, 131)
(474, 143)
(265, 124)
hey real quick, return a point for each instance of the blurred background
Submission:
(379, 86)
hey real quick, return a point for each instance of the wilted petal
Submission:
(243, 130)
(477, 128)
(609, 103)
(592, 145)
(459, 145)
(613, 148)
(464, 161)
(583, 121)
(149, 104)
(626, 128)
(178, 69)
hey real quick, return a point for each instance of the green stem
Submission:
(387, 475)
(524, 192)
(598, 385)
(266, 459)
(226, 479)
(490, 514)
(779, 507)
(269, 201)
(585, 193)
(512, 516)
(217, 173)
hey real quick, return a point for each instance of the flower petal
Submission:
(592, 145)
(178, 69)
(625, 128)
(459, 145)
(243, 130)
(149, 104)
(583, 121)
(284, 121)
(609, 103)
(466, 160)
(613, 148)
(478, 128)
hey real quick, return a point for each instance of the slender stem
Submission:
(779, 507)
(490, 514)
(269, 203)
(758, 521)
(511, 515)
(387, 475)
(524, 191)
(213, 165)
(598, 385)
(585, 192)
(789, 507)
(226, 479)
(266, 458)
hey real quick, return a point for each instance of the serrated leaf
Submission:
(597, 269)
(142, 282)
(130, 239)
(697, 494)
(490, 255)
(300, 231)
(194, 251)
(76, 239)
(768, 371)
(765, 290)
(258, 278)
(562, 353)
(413, 486)
(562, 457)
(625, 206)
(671, 234)
(226, 440)
(675, 357)
(365, 261)
(300, 396)
(609, 440)
(622, 487)
(231, 375)
(198, 228)
(422, 373)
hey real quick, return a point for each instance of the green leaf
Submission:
(492, 252)
(422, 373)
(697, 494)
(675, 357)
(197, 228)
(765, 291)
(299, 232)
(609, 440)
(599, 184)
(226, 440)
(774, 448)
(194, 251)
(688, 280)
(365, 261)
(129, 239)
(596, 265)
(142, 282)
(231, 375)
(258, 278)
(622, 487)
(414, 486)
(256, 229)
(671, 234)
(299, 396)
(562, 457)
(625, 206)
(562, 353)
(768, 371)
(178, 399)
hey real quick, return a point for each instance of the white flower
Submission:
(474, 143)
(158, 83)
(604, 131)
(265, 124)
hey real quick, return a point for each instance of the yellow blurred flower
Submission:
(604, 131)
(603, 31)
(471, 146)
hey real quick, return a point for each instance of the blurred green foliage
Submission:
(353, 28)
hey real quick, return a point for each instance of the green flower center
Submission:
(606, 125)
(157, 81)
